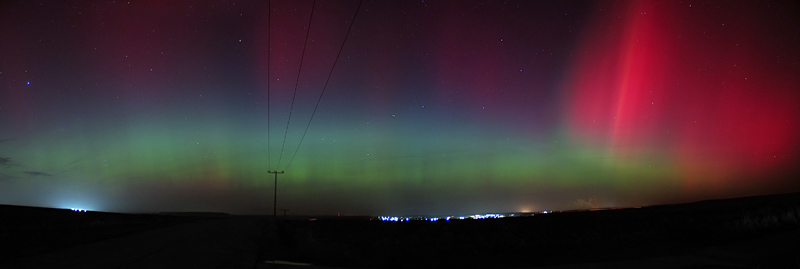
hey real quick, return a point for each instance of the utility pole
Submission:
(275, 195)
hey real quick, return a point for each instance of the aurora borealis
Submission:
(433, 107)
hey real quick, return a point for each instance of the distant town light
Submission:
(446, 218)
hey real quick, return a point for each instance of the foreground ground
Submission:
(756, 232)
(197, 242)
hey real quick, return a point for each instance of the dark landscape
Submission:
(766, 228)
(28, 231)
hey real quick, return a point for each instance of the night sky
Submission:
(432, 107)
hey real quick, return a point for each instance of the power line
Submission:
(269, 41)
(297, 81)
(341, 48)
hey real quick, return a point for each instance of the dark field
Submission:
(26, 231)
(553, 239)
(754, 232)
